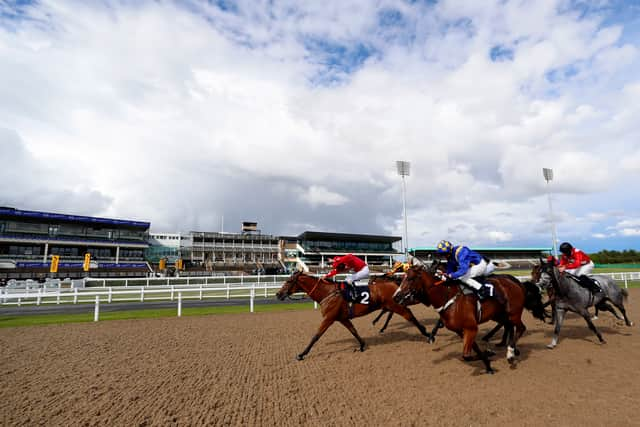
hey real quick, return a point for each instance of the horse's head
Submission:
(543, 273)
(290, 286)
(411, 287)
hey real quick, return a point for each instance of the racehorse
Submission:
(570, 296)
(463, 313)
(334, 306)
(608, 285)
(397, 280)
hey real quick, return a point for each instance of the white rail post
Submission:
(172, 290)
(200, 291)
(38, 297)
(110, 294)
(253, 294)
(228, 290)
(96, 311)
(626, 285)
(179, 304)
(58, 296)
(75, 295)
(141, 294)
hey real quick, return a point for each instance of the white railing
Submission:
(625, 277)
(237, 287)
(227, 291)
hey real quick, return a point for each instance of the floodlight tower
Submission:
(548, 176)
(404, 169)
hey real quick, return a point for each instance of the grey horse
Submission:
(570, 296)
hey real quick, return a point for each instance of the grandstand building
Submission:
(314, 250)
(516, 258)
(28, 239)
(240, 252)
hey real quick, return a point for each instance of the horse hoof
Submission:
(431, 340)
(511, 360)
(300, 357)
(551, 346)
(594, 318)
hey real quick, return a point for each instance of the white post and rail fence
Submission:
(243, 290)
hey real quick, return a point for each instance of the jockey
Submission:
(464, 264)
(350, 262)
(576, 262)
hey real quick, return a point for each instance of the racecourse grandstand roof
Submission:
(320, 235)
(38, 215)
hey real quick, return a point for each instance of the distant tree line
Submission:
(616, 257)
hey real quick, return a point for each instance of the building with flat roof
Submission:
(315, 249)
(28, 239)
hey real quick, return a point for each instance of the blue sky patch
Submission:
(336, 60)
(501, 53)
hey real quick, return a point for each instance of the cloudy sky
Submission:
(199, 115)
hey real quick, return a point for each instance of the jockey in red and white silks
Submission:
(349, 262)
(574, 261)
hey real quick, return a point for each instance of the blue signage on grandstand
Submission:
(79, 265)
(65, 217)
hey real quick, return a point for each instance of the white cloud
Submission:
(157, 111)
(318, 196)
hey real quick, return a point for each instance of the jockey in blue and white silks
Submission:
(465, 264)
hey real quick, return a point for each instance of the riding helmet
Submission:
(566, 248)
(444, 247)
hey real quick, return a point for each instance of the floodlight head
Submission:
(548, 174)
(403, 167)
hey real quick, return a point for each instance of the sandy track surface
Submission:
(241, 370)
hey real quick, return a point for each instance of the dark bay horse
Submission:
(570, 296)
(463, 313)
(397, 280)
(334, 307)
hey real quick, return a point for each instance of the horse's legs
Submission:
(604, 306)
(324, 325)
(587, 317)
(618, 302)
(386, 323)
(407, 314)
(434, 331)
(559, 315)
(517, 330)
(482, 355)
(347, 324)
(492, 332)
(382, 312)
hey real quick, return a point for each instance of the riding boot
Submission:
(354, 293)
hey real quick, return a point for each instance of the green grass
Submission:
(45, 319)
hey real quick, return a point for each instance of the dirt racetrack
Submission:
(241, 370)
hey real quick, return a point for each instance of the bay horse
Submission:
(334, 306)
(570, 296)
(397, 280)
(463, 313)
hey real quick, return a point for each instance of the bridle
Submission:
(294, 282)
